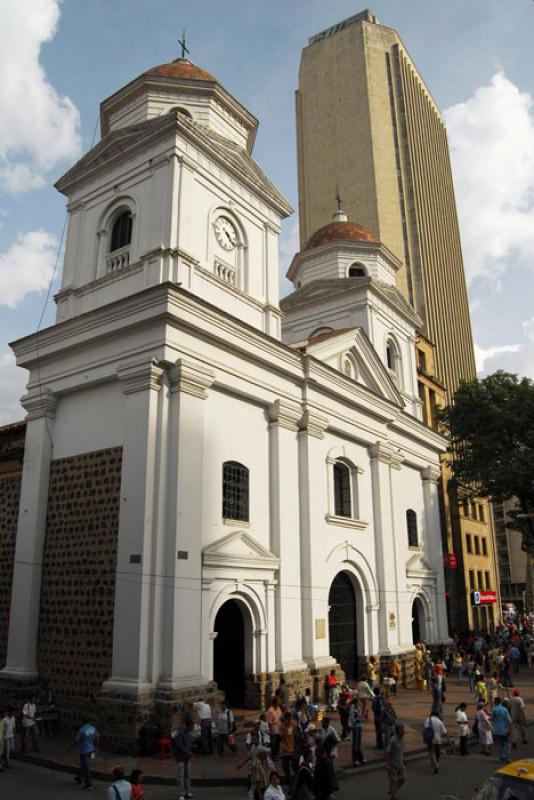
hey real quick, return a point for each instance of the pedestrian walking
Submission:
(288, 729)
(394, 673)
(225, 729)
(324, 777)
(356, 724)
(203, 710)
(86, 740)
(519, 722)
(274, 790)
(261, 770)
(485, 734)
(435, 734)
(344, 706)
(274, 717)
(120, 789)
(182, 743)
(389, 720)
(501, 722)
(395, 761)
(365, 696)
(136, 782)
(9, 736)
(29, 726)
(331, 690)
(331, 736)
(463, 727)
(377, 708)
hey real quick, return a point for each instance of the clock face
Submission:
(225, 233)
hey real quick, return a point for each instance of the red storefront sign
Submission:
(483, 598)
(450, 561)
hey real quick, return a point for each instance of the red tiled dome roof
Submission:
(180, 68)
(346, 231)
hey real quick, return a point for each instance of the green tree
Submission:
(490, 425)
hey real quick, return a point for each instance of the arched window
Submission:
(342, 498)
(411, 526)
(393, 360)
(181, 110)
(321, 331)
(121, 233)
(348, 366)
(235, 503)
(357, 271)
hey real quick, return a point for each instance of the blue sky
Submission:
(59, 60)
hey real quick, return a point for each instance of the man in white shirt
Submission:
(29, 726)
(9, 736)
(120, 789)
(203, 710)
(440, 735)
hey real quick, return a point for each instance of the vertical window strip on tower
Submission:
(342, 498)
(235, 491)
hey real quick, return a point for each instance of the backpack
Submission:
(428, 734)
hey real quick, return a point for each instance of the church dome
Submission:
(180, 68)
(339, 230)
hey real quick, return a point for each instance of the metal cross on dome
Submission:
(181, 42)
(338, 199)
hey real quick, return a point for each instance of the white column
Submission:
(185, 635)
(312, 511)
(21, 661)
(384, 458)
(284, 531)
(133, 618)
(433, 548)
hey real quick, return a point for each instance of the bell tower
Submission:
(172, 194)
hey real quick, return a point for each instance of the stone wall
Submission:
(9, 510)
(78, 586)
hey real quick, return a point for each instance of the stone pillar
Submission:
(186, 647)
(312, 512)
(133, 618)
(384, 458)
(433, 550)
(22, 661)
(284, 531)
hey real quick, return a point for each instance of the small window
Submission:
(342, 499)
(321, 332)
(422, 360)
(468, 542)
(348, 366)
(357, 271)
(411, 525)
(477, 546)
(484, 546)
(393, 360)
(235, 491)
(472, 580)
(487, 580)
(465, 508)
(480, 580)
(121, 233)
(181, 110)
(481, 513)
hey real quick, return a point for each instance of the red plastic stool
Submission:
(164, 748)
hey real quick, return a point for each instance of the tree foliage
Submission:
(490, 425)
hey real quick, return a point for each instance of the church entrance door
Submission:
(229, 653)
(417, 621)
(342, 624)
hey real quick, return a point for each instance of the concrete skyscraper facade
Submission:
(368, 126)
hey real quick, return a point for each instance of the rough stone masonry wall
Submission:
(78, 586)
(9, 511)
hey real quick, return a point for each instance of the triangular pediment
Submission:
(418, 567)
(239, 548)
(369, 369)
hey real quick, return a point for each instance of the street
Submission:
(456, 781)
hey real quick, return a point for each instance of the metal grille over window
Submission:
(342, 503)
(121, 234)
(235, 491)
(411, 524)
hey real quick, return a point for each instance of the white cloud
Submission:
(491, 137)
(13, 381)
(38, 127)
(27, 266)
(518, 358)
(483, 354)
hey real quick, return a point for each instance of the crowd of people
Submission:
(293, 747)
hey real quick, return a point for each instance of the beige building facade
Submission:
(367, 126)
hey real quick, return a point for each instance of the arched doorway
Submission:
(342, 627)
(418, 621)
(229, 652)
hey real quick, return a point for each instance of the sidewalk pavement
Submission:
(412, 708)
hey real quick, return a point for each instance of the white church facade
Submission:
(219, 489)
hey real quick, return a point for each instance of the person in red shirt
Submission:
(343, 704)
(136, 779)
(331, 686)
(438, 671)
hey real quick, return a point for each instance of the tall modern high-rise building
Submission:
(368, 130)
(368, 126)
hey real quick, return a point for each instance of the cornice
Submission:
(285, 414)
(386, 453)
(190, 378)
(431, 474)
(313, 423)
(140, 376)
(39, 404)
